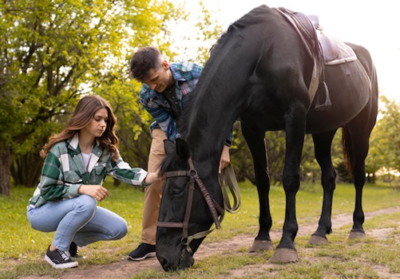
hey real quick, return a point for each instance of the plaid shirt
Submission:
(64, 172)
(186, 75)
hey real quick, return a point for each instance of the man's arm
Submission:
(162, 118)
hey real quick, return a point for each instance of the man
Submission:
(165, 90)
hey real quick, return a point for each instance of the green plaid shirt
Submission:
(64, 172)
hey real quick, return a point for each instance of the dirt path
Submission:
(124, 269)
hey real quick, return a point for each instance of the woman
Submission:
(76, 163)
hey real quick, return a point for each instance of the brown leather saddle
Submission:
(334, 50)
(325, 49)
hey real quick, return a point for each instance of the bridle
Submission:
(214, 207)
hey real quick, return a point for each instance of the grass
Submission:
(22, 248)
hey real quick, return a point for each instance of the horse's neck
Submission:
(208, 129)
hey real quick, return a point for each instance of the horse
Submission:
(260, 73)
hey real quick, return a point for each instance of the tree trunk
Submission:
(5, 170)
(26, 169)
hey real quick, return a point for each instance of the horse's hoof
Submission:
(261, 245)
(317, 240)
(356, 234)
(284, 255)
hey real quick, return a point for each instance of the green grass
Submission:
(22, 248)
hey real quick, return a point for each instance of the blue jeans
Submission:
(78, 219)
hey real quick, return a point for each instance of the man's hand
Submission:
(225, 159)
(98, 192)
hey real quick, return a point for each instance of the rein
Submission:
(227, 180)
(212, 204)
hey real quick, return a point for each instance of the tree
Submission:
(276, 149)
(53, 51)
(385, 138)
(194, 34)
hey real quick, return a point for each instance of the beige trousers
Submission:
(152, 196)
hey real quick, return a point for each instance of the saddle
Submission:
(334, 50)
(323, 48)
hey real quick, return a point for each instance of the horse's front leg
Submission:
(256, 143)
(295, 119)
(322, 150)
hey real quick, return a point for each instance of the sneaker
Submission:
(59, 259)
(142, 252)
(73, 250)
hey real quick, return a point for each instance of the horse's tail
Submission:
(347, 150)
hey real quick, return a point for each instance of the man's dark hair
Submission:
(143, 60)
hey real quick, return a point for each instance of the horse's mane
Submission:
(173, 160)
(255, 16)
(183, 122)
(167, 162)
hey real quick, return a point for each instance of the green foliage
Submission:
(276, 148)
(53, 52)
(205, 28)
(385, 138)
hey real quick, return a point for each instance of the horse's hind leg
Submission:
(322, 150)
(255, 141)
(357, 146)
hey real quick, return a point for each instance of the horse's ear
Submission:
(182, 148)
(169, 146)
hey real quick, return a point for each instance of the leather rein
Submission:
(212, 205)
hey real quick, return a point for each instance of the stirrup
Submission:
(323, 106)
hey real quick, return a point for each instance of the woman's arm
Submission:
(122, 171)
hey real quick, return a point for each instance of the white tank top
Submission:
(86, 159)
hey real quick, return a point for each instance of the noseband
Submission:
(212, 205)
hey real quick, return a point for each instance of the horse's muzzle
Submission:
(185, 260)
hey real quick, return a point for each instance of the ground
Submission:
(124, 268)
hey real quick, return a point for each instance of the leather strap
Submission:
(227, 181)
(206, 195)
(228, 178)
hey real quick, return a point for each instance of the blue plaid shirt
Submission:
(186, 75)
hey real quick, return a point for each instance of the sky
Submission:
(372, 24)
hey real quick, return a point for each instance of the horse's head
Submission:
(187, 210)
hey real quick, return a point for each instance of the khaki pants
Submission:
(152, 196)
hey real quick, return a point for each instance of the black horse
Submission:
(259, 73)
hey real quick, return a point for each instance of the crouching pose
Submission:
(76, 163)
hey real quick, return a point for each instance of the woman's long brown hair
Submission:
(82, 116)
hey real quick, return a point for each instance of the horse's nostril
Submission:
(164, 263)
(162, 260)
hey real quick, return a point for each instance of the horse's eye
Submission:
(176, 190)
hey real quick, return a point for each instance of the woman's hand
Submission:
(152, 177)
(96, 191)
(225, 159)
